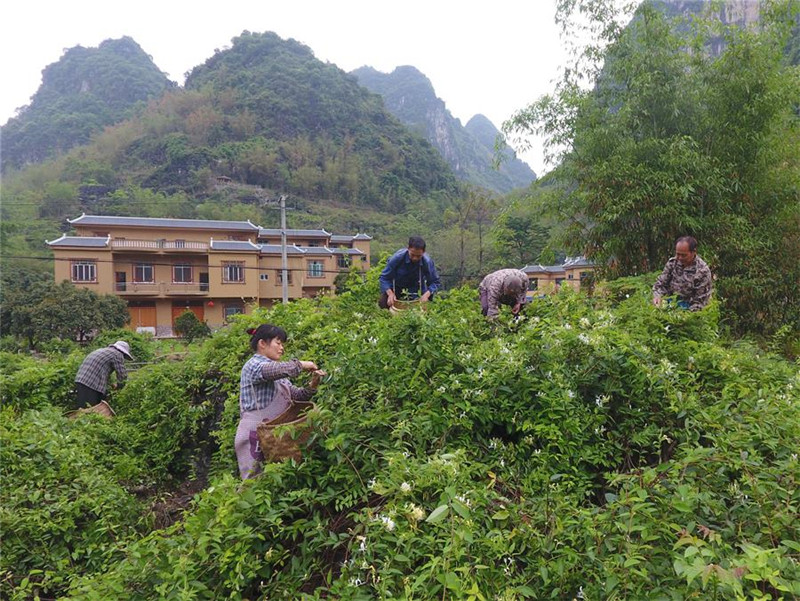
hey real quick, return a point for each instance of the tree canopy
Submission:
(674, 139)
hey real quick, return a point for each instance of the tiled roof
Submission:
(339, 239)
(348, 251)
(316, 250)
(543, 269)
(107, 220)
(80, 241)
(271, 233)
(344, 239)
(577, 262)
(275, 249)
(234, 245)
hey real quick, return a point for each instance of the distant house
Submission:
(576, 272)
(216, 269)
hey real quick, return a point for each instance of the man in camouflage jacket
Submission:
(503, 287)
(686, 276)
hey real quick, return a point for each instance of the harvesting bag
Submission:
(278, 447)
(102, 408)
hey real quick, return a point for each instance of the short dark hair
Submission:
(416, 242)
(266, 332)
(690, 241)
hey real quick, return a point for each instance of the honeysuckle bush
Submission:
(597, 448)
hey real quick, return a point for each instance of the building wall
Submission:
(155, 304)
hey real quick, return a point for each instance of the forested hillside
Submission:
(469, 150)
(86, 90)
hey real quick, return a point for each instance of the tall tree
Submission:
(673, 139)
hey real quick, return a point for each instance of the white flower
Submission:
(583, 338)
(388, 522)
(417, 513)
(372, 340)
(464, 500)
(585, 322)
(570, 394)
(405, 487)
(567, 326)
(441, 389)
(794, 456)
(371, 483)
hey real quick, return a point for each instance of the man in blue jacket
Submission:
(409, 274)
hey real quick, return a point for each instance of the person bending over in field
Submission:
(503, 287)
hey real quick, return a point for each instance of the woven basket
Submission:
(286, 444)
(404, 305)
(102, 408)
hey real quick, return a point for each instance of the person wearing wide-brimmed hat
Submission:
(92, 378)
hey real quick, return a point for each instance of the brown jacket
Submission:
(494, 283)
(691, 284)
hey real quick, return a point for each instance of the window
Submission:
(231, 310)
(314, 243)
(533, 284)
(143, 273)
(315, 269)
(233, 271)
(182, 273)
(558, 282)
(279, 274)
(343, 261)
(263, 277)
(84, 271)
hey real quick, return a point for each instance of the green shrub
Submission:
(598, 447)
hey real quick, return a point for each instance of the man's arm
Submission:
(386, 278)
(119, 367)
(702, 293)
(434, 284)
(494, 291)
(661, 287)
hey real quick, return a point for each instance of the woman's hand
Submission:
(316, 377)
(308, 366)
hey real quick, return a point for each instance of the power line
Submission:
(442, 275)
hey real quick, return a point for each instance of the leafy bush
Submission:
(190, 327)
(596, 447)
(64, 512)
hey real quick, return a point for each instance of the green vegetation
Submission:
(85, 91)
(673, 140)
(599, 446)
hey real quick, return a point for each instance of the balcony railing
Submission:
(181, 245)
(161, 288)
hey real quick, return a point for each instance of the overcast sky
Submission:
(481, 56)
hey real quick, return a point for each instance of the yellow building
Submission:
(576, 272)
(162, 267)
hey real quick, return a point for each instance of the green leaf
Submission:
(438, 514)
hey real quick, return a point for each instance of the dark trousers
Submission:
(88, 396)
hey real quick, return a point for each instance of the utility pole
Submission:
(284, 262)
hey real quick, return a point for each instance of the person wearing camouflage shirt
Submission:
(503, 287)
(686, 276)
